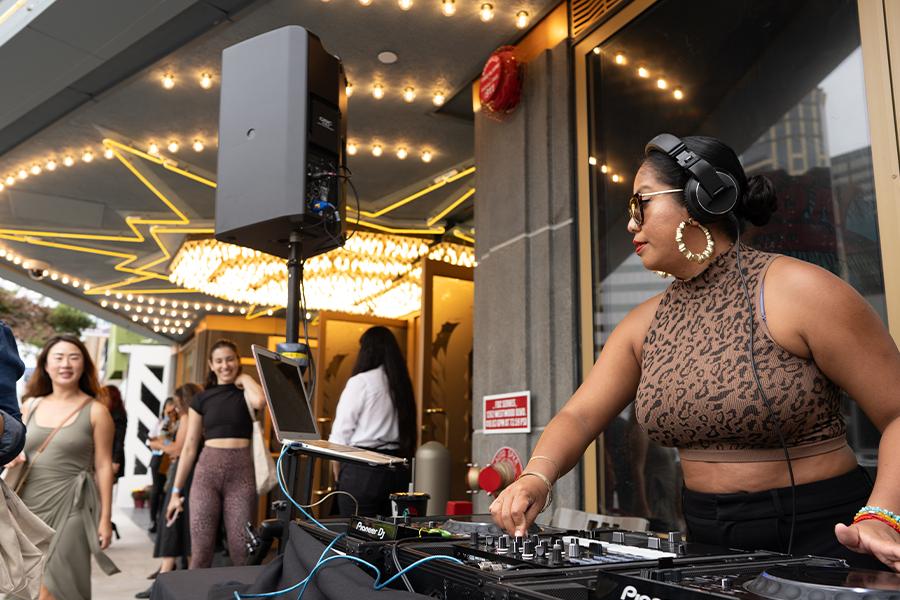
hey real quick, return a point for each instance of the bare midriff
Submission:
(227, 443)
(733, 477)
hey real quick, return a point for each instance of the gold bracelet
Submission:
(550, 460)
(546, 481)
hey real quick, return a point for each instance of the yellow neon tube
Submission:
(450, 207)
(419, 194)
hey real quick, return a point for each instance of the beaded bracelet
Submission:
(880, 511)
(877, 517)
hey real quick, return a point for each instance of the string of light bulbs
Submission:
(644, 72)
(402, 152)
(448, 9)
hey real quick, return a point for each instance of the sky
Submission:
(846, 115)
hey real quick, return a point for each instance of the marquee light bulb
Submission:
(409, 94)
(439, 98)
(643, 72)
(402, 153)
(168, 81)
(206, 81)
(448, 7)
(378, 91)
(620, 59)
(487, 12)
(348, 89)
(2, 187)
(377, 150)
(522, 19)
(198, 145)
(597, 50)
(405, 4)
(426, 156)
(51, 165)
(592, 161)
(88, 156)
(365, 2)
(108, 154)
(173, 146)
(68, 160)
(153, 148)
(661, 83)
(10, 180)
(604, 169)
(616, 178)
(678, 93)
(36, 169)
(352, 148)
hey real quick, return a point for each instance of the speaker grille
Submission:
(584, 14)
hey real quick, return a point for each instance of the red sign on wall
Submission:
(507, 413)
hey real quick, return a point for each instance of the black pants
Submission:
(157, 493)
(762, 520)
(371, 486)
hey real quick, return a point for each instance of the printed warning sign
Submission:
(507, 413)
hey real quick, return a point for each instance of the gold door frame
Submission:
(879, 22)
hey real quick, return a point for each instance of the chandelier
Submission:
(372, 273)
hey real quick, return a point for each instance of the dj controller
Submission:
(600, 564)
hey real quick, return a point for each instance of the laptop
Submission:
(288, 400)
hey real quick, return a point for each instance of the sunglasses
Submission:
(637, 201)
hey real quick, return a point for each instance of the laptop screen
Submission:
(290, 408)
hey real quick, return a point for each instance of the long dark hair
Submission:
(211, 378)
(40, 385)
(379, 348)
(183, 397)
(112, 398)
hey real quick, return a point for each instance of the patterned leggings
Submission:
(223, 479)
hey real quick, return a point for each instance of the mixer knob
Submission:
(535, 539)
(574, 550)
(528, 549)
(654, 543)
(473, 537)
(618, 537)
(503, 544)
(488, 540)
(597, 549)
(540, 551)
(556, 555)
(727, 584)
(517, 544)
(675, 536)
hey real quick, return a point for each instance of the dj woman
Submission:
(736, 414)
(224, 480)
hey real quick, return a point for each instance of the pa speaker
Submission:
(282, 134)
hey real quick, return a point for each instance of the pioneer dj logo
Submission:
(631, 593)
(373, 531)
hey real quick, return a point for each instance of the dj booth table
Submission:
(548, 564)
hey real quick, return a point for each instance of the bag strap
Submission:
(47, 440)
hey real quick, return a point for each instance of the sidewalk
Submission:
(133, 554)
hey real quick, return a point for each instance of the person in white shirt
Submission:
(376, 411)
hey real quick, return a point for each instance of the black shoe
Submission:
(116, 532)
(152, 528)
(153, 574)
(145, 593)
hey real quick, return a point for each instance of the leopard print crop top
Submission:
(697, 391)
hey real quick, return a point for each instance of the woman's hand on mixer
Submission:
(516, 508)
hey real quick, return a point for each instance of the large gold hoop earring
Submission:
(679, 239)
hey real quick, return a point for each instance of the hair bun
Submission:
(758, 204)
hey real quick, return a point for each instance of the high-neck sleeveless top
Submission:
(697, 390)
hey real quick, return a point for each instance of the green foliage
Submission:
(35, 324)
(65, 319)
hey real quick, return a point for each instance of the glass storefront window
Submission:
(782, 83)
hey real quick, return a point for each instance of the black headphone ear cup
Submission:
(694, 209)
(705, 208)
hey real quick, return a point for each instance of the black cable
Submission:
(762, 393)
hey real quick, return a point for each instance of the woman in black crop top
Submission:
(224, 481)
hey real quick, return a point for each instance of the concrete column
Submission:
(526, 280)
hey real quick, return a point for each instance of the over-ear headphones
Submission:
(710, 194)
